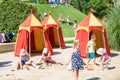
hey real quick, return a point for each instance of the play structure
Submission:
(91, 25)
(54, 32)
(31, 36)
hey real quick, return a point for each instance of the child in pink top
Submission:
(105, 58)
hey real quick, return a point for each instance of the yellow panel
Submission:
(51, 20)
(99, 38)
(35, 21)
(86, 28)
(94, 21)
(39, 40)
(26, 28)
(56, 37)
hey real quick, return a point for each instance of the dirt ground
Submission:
(57, 71)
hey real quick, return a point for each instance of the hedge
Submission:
(12, 14)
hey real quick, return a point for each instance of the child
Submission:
(61, 20)
(24, 59)
(76, 60)
(68, 20)
(45, 14)
(75, 26)
(46, 58)
(91, 47)
(105, 58)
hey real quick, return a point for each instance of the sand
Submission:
(57, 71)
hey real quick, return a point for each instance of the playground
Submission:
(57, 71)
(61, 27)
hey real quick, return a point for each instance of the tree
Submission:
(12, 14)
(113, 26)
(100, 6)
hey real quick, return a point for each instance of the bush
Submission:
(12, 14)
(113, 27)
(100, 6)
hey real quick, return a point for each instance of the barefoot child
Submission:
(46, 58)
(91, 47)
(24, 59)
(105, 58)
(76, 60)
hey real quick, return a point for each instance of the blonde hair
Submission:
(76, 42)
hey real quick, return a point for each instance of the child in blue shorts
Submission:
(24, 59)
(91, 47)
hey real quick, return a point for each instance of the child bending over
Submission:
(46, 58)
(105, 58)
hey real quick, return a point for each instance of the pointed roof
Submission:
(90, 20)
(89, 23)
(49, 20)
(30, 21)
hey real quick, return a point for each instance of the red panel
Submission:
(27, 22)
(106, 43)
(82, 36)
(21, 42)
(48, 43)
(61, 39)
(95, 27)
(85, 21)
(51, 25)
(51, 35)
(32, 41)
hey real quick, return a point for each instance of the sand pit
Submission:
(57, 71)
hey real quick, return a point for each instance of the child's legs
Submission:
(76, 74)
(18, 65)
(92, 56)
(21, 64)
(107, 62)
(94, 61)
(88, 61)
(30, 63)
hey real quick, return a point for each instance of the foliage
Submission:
(100, 6)
(76, 4)
(113, 27)
(43, 1)
(12, 14)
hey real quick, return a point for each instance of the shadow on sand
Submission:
(69, 46)
(56, 53)
(5, 64)
(114, 54)
(94, 78)
(110, 68)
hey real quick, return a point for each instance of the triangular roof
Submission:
(49, 20)
(30, 21)
(89, 23)
(90, 20)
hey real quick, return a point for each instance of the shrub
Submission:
(12, 14)
(113, 27)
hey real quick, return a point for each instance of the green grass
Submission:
(74, 14)
(69, 42)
